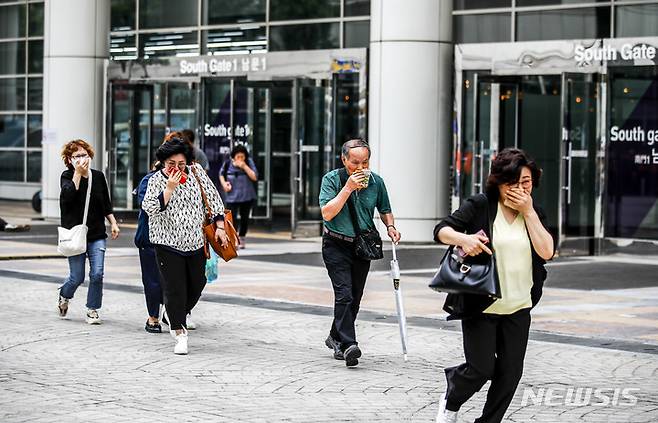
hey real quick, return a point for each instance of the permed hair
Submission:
(71, 147)
(506, 169)
(172, 147)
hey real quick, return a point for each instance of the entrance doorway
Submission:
(556, 119)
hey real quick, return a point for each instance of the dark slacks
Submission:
(348, 275)
(494, 347)
(243, 209)
(183, 278)
(151, 280)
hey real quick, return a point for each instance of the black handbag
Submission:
(460, 276)
(367, 243)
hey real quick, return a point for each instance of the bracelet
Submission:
(391, 226)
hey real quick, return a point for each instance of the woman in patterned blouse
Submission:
(176, 213)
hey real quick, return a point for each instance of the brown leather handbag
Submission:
(230, 251)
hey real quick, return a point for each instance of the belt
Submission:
(337, 235)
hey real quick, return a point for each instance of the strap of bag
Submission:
(203, 193)
(350, 202)
(84, 218)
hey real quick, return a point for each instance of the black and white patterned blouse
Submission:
(178, 225)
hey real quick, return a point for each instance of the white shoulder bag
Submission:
(72, 242)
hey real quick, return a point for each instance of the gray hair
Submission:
(354, 143)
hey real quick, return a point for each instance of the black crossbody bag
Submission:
(367, 243)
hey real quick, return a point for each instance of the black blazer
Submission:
(475, 213)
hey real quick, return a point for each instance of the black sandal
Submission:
(152, 327)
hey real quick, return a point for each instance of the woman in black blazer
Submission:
(495, 332)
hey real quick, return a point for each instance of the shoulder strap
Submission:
(350, 202)
(84, 218)
(203, 192)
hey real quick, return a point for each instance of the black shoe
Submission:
(152, 327)
(332, 344)
(352, 354)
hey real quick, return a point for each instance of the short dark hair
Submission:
(354, 143)
(506, 169)
(188, 134)
(240, 149)
(174, 146)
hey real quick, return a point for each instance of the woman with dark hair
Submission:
(77, 156)
(237, 177)
(174, 204)
(495, 332)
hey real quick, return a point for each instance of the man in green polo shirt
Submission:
(348, 272)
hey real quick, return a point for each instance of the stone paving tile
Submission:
(257, 365)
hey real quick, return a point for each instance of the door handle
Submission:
(300, 167)
(567, 158)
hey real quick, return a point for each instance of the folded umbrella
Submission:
(399, 305)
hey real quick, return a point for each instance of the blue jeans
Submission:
(96, 254)
(151, 281)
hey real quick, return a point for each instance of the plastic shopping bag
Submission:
(212, 267)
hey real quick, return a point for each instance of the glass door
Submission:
(130, 141)
(495, 124)
(313, 114)
(580, 113)
(251, 127)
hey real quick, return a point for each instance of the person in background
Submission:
(199, 155)
(347, 271)
(148, 264)
(77, 156)
(238, 176)
(176, 211)
(495, 332)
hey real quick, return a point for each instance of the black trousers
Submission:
(348, 275)
(494, 347)
(183, 279)
(243, 209)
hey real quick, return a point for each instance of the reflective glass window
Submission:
(304, 37)
(169, 44)
(281, 10)
(35, 56)
(182, 106)
(522, 3)
(123, 47)
(233, 11)
(12, 163)
(12, 21)
(637, 21)
(12, 131)
(481, 4)
(12, 57)
(34, 93)
(34, 166)
(482, 28)
(168, 13)
(242, 38)
(35, 22)
(34, 123)
(122, 16)
(12, 94)
(357, 7)
(563, 24)
(357, 34)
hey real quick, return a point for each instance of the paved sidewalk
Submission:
(249, 364)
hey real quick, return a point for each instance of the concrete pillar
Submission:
(411, 61)
(75, 46)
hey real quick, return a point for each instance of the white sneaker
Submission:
(445, 416)
(181, 343)
(93, 318)
(190, 323)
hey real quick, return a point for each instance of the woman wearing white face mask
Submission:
(77, 155)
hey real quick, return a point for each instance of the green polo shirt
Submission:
(365, 201)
